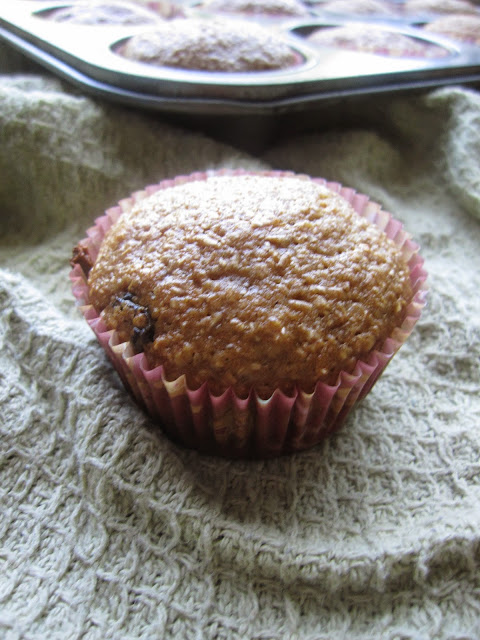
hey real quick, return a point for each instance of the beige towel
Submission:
(109, 531)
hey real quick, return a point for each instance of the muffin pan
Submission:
(89, 57)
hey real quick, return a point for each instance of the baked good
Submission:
(371, 39)
(236, 281)
(252, 300)
(463, 28)
(359, 7)
(101, 13)
(220, 44)
(439, 7)
(272, 8)
(164, 8)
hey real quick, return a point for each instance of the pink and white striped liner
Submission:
(250, 427)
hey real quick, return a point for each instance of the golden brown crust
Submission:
(250, 281)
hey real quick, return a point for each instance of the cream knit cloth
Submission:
(109, 531)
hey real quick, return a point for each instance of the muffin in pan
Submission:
(101, 13)
(447, 7)
(219, 44)
(271, 8)
(359, 7)
(373, 39)
(164, 8)
(248, 312)
(461, 28)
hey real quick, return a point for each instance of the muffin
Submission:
(248, 312)
(101, 13)
(271, 8)
(461, 28)
(439, 7)
(361, 37)
(359, 7)
(163, 8)
(211, 45)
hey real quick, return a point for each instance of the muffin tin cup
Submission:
(251, 427)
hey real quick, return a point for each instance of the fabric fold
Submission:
(109, 530)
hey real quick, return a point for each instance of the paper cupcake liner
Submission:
(229, 425)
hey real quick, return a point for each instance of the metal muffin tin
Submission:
(85, 55)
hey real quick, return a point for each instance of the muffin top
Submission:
(259, 7)
(458, 27)
(439, 6)
(360, 7)
(164, 8)
(220, 44)
(374, 40)
(93, 13)
(248, 281)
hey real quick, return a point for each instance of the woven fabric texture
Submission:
(109, 531)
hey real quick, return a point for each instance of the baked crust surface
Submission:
(375, 40)
(219, 44)
(250, 281)
(100, 13)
